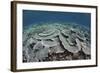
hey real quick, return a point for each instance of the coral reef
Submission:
(56, 42)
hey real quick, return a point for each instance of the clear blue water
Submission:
(31, 17)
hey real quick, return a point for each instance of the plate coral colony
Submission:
(56, 36)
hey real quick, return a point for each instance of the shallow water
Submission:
(31, 17)
(56, 36)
